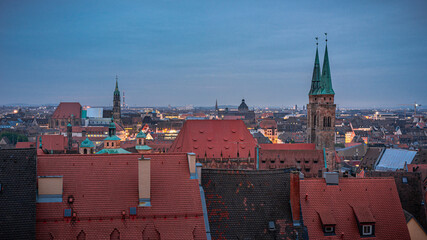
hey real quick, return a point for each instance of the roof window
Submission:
(67, 212)
(367, 230)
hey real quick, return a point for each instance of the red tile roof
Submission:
(54, 142)
(65, 109)
(289, 146)
(308, 161)
(213, 137)
(25, 145)
(369, 199)
(268, 123)
(105, 185)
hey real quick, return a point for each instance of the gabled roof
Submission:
(268, 123)
(105, 185)
(366, 199)
(393, 159)
(66, 109)
(215, 137)
(241, 203)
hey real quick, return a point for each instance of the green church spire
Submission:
(326, 81)
(116, 90)
(315, 80)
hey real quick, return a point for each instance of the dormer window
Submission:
(405, 180)
(329, 229)
(367, 230)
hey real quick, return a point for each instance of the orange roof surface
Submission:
(367, 199)
(105, 185)
(211, 138)
(288, 146)
(65, 109)
(54, 142)
(25, 145)
(268, 123)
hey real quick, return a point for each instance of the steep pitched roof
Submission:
(18, 194)
(105, 185)
(268, 123)
(215, 137)
(352, 199)
(315, 80)
(241, 203)
(66, 109)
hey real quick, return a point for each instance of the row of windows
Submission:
(327, 121)
(365, 230)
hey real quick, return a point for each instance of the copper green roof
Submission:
(144, 147)
(116, 90)
(112, 151)
(315, 80)
(321, 84)
(112, 138)
(87, 143)
(69, 125)
(141, 135)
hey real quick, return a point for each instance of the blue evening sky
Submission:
(193, 52)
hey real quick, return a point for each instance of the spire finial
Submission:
(326, 38)
(317, 41)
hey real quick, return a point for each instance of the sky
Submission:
(194, 52)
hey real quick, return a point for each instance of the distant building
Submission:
(66, 112)
(218, 143)
(321, 109)
(116, 103)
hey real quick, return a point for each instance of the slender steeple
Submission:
(116, 90)
(315, 80)
(326, 81)
(216, 105)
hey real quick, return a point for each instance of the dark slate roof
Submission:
(370, 158)
(18, 194)
(241, 204)
(261, 138)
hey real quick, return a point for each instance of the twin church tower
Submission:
(321, 108)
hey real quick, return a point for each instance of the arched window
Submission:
(85, 151)
(112, 144)
(108, 144)
(115, 235)
(315, 120)
(325, 121)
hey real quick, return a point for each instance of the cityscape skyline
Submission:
(194, 53)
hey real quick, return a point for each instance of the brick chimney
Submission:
(295, 198)
(192, 165)
(144, 181)
(199, 172)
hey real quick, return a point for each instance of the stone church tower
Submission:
(116, 103)
(321, 110)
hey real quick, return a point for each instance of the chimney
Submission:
(199, 172)
(144, 181)
(192, 165)
(295, 198)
